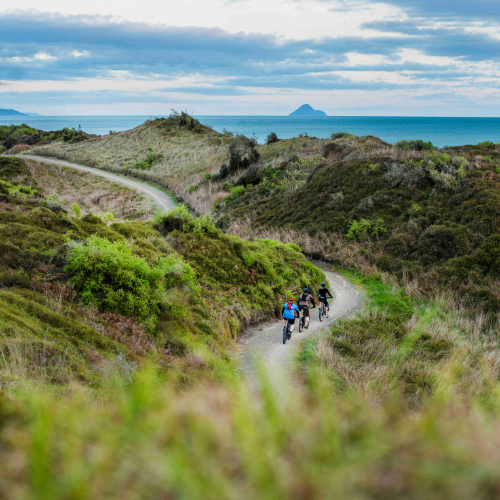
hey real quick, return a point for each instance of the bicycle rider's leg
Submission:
(292, 326)
(308, 318)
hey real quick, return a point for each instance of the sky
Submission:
(251, 57)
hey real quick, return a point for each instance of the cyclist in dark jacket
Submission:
(304, 299)
(323, 292)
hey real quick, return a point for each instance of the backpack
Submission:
(303, 297)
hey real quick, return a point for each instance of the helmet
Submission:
(306, 290)
(323, 284)
(292, 299)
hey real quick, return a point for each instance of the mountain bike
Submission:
(286, 333)
(321, 311)
(302, 322)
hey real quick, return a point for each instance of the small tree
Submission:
(272, 138)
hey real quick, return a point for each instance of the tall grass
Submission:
(144, 434)
(144, 439)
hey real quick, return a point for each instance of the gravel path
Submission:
(264, 345)
(163, 201)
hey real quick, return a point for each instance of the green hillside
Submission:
(83, 291)
(429, 216)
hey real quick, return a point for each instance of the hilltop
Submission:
(306, 110)
(173, 152)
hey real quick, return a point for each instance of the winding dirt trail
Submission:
(264, 345)
(163, 200)
(266, 342)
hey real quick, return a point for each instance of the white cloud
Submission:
(290, 19)
(39, 56)
(78, 53)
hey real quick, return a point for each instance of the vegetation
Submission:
(12, 135)
(174, 153)
(431, 217)
(117, 376)
(177, 281)
(401, 402)
(92, 194)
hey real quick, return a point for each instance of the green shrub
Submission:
(363, 229)
(418, 145)
(107, 274)
(76, 209)
(486, 143)
(236, 192)
(192, 188)
(149, 161)
(439, 243)
(341, 135)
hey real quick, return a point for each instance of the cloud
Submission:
(51, 55)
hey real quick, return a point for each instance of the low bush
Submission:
(108, 275)
(272, 138)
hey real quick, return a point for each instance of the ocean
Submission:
(440, 131)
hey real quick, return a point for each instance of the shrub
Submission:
(108, 275)
(76, 209)
(362, 229)
(440, 243)
(227, 133)
(418, 145)
(272, 138)
(236, 192)
(180, 219)
(148, 162)
(341, 135)
(407, 174)
(192, 188)
(486, 143)
(242, 153)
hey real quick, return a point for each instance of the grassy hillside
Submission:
(78, 294)
(17, 138)
(427, 217)
(93, 194)
(174, 153)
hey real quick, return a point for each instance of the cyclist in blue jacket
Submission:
(289, 312)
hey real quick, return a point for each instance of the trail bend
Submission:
(265, 344)
(163, 200)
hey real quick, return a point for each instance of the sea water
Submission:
(440, 131)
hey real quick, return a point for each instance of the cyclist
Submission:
(323, 292)
(288, 313)
(304, 304)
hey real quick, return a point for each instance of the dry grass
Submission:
(93, 194)
(202, 199)
(184, 154)
(19, 148)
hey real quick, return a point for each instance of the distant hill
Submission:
(11, 112)
(306, 110)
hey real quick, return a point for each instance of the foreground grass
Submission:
(354, 431)
(143, 439)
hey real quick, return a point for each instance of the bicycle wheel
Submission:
(285, 335)
(301, 324)
(321, 315)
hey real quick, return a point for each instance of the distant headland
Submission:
(11, 112)
(306, 110)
